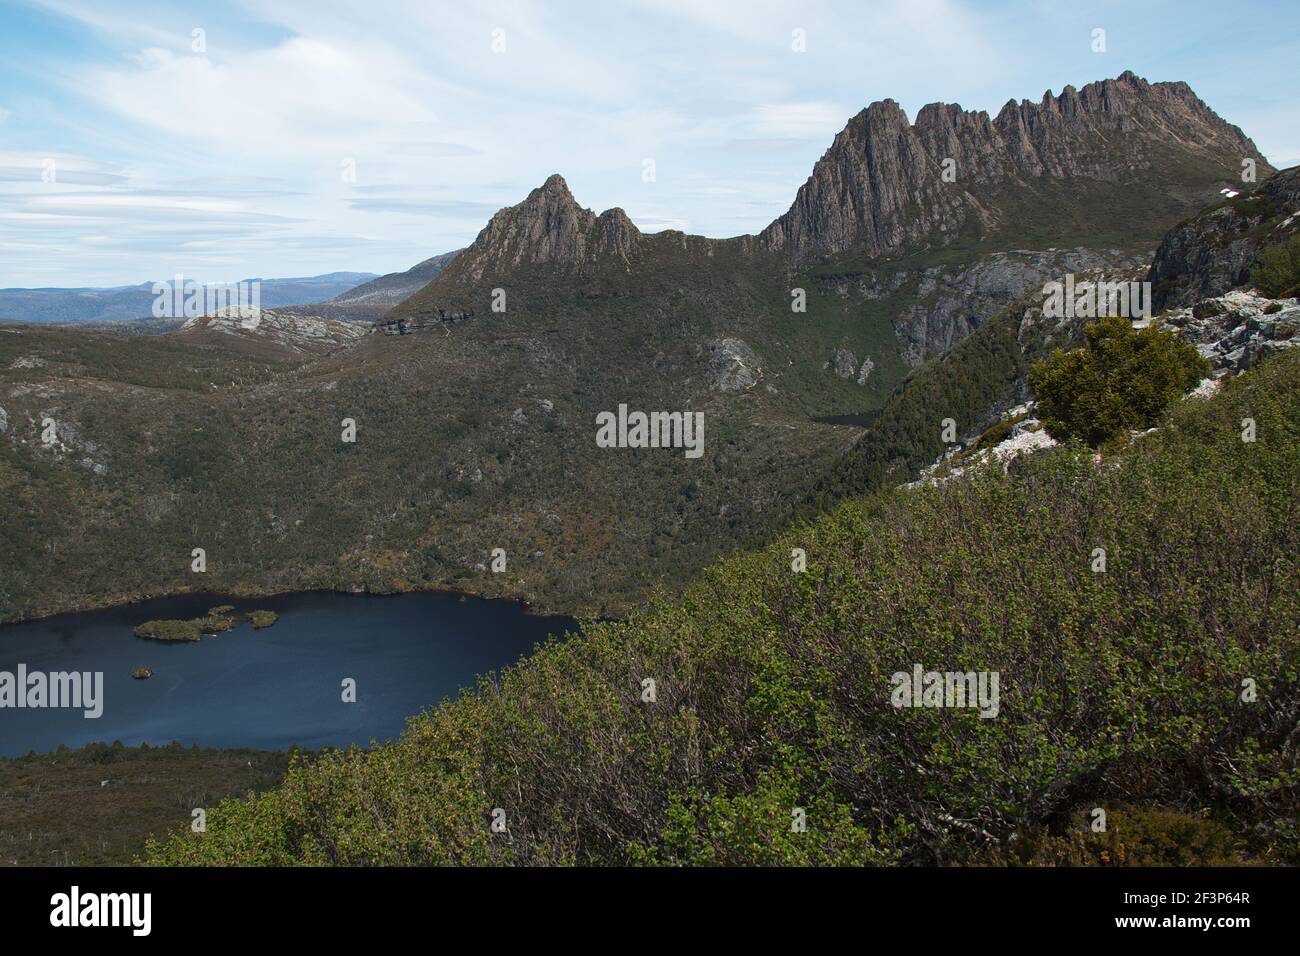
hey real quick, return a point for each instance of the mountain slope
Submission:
(480, 433)
(774, 697)
(389, 290)
(1213, 251)
(1086, 181)
(880, 187)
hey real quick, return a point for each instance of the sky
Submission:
(271, 138)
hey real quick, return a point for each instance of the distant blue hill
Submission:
(134, 302)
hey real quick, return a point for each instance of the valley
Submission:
(744, 481)
(481, 437)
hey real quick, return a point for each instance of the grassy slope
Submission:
(773, 687)
(253, 469)
(98, 804)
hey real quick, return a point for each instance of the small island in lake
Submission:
(218, 619)
(142, 673)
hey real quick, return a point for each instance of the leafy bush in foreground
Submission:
(1123, 378)
(772, 688)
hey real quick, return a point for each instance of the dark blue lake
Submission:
(272, 688)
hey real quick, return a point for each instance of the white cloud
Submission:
(300, 98)
(658, 223)
(799, 119)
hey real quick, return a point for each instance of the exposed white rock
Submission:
(845, 363)
(300, 333)
(1027, 436)
(1235, 330)
(732, 366)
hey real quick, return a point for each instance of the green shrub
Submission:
(1123, 378)
(997, 432)
(260, 619)
(1277, 274)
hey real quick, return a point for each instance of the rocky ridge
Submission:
(302, 334)
(1234, 331)
(881, 187)
(1213, 251)
(548, 227)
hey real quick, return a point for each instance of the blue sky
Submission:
(232, 157)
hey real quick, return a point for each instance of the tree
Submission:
(1123, 378)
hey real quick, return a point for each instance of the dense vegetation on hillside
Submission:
(1164, 689)
(479, 438)
(467, 440)
(971, 384)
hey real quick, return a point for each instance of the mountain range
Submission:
(895, 287)
(135, 302)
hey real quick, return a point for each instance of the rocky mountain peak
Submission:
(877, 186)
(881, 186)
(552, 197)
(549, 226)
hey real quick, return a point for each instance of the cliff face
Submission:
(953, 301)
(1085, 181)
(876, 186)
(881, 187)
(1213, 252)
